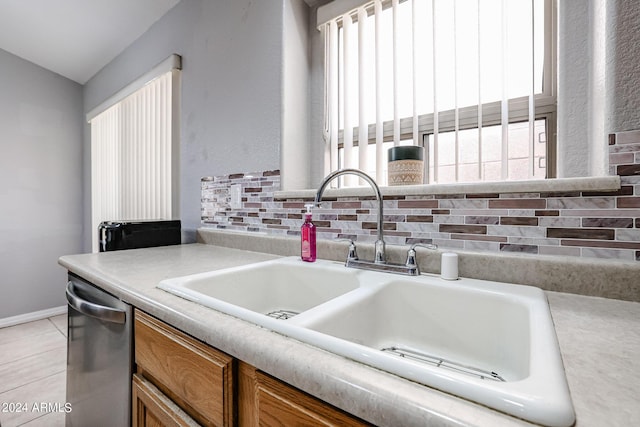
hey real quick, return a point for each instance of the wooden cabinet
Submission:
(269, 402)
(197, 377)
(151, 408)
(180, 381)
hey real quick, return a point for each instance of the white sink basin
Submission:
(279, 288)
(489, 342)
(486, 331)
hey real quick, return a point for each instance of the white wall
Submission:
(598, 77)
(232, 99)
(295, 97)
(40, 184)
(624, 72)
(586, 42)
(573, 88)
(316, 104)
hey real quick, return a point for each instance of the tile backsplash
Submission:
(586, 224)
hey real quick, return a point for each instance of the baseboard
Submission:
(30, 317)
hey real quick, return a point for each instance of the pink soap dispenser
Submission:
(308, 237)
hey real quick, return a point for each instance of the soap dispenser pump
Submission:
(308, 237)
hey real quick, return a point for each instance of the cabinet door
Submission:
(278, 404)
(197, 377)
(151, 408)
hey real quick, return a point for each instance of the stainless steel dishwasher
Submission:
(99, 357)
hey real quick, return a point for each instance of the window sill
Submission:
(557, 185)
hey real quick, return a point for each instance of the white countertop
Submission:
(599, 340)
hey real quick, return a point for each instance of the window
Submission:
(133, 139)
(473, 81)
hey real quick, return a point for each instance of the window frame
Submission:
(545, 103)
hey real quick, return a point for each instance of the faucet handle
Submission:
(411, 253)
(424, 245)
(352, 255)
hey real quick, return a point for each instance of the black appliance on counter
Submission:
(118, 235)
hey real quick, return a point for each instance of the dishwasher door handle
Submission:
(108, 314)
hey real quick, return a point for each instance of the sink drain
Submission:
(442, 363)
(282, 314)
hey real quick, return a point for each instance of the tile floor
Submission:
(33, 363)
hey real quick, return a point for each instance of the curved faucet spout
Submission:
(380, 257)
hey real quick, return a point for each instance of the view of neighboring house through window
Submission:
(473, 81)
(132, 151)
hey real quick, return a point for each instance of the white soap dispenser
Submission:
(449, 266)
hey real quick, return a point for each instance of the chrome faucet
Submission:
(380, 257)
(380, 260)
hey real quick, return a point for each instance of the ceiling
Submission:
(75, 38)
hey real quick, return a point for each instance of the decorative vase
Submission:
(405, 165)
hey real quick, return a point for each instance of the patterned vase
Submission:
(406, 165)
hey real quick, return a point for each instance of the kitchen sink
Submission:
(492, 343)
(278, 289)
(489, 342)
(464, 329)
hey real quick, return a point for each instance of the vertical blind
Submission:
(131, 156)
(452, 75)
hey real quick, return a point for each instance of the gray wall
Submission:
(231, 108)
(40, 184)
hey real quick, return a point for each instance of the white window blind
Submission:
(470, 80)
(133, 172)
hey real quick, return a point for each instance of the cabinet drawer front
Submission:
(197, 377)
(279, 404)
(152, 408)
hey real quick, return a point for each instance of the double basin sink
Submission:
(489, 342)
